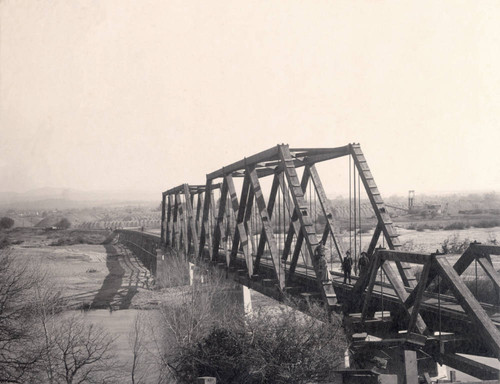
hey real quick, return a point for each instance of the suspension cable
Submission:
(279, 232)
(258, 231)
(331, 249)
(309, 198)
(350, 213)
(284, 222)
(310, 208)
(252, 229)
(382, 291)
(355, 224)
(315, 216)
(439, 307)
(475, 266)
(359, 207)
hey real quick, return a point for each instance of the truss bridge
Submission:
(264, 216)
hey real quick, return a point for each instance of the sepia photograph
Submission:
(249, 192)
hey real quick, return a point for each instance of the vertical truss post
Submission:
(374, 266)
(170, 222)
(183, 239)
(270, 207)
(163, 223)
(190, 214)
(204, 236)
(199, 212)
(240, 233)
(229, 232)
(266, 224)
(213, 219)
(219, 231)
(185, 223)
(177, 220)
(248, 213)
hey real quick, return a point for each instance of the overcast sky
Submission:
(150, 94)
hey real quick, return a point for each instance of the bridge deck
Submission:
(431, 302)
(449, 306)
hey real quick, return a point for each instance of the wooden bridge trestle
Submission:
(270, 240)
(244, 224)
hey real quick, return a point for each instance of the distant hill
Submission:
(61, 198)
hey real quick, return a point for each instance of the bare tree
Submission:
(78, 353)
(18, 356)
(206, 333)
(136, 340)
(39, 342)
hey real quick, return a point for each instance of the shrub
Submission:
(283, 347)
(220, 354)
(173, 271)
(6, 222)
(4, 241)
(455, 226)
(492, 239)
(421, 228)
(487, 224)
(63, 223)
(453, 244)
(206, 333)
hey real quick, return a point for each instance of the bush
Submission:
(173, 271)
(455, 226)
(63, 223)
(492, 239)
(421, 228)
(206, 333)
(4, 241)
(220, 354)
(6, 222)
(487, 224)
(454, 245)
(282, 347)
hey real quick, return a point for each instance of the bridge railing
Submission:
(143, 245)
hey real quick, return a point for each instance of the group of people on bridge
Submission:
(347, 264)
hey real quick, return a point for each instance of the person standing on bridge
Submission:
(319, 254)
(363, 264)
(347, 266)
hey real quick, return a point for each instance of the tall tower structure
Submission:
(411, 198)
